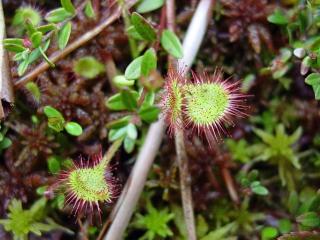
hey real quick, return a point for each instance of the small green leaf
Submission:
(121, 81)
(14, 48)
(88, 67)
(285, 226)
(57, 15)
(309, 219)
(51, 112)
(269, 233)
(257, 188)
(36, 39)
(129, 99)
(293, 202)
(115, 102)
(15, 41)
(149, 5)
(53, 164)
(23, 67)
(119, 123)
(88, 10)
(73, 128)
(132, 131)
(5, 143)
(149, 114)
(51, 64)
(145, 30)
(133, 70)
(115, 134)
(64, 34)
(68, 6)
(129, 144)
(170, 42)
(149, 62)
(313, 79)
(47, 28)
(278, 17)
(132, 32)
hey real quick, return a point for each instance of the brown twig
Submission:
(6, 91)
(56, 56)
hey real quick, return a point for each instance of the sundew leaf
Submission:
(171, 43)
(149, 5)
(145, 30)
(88, 67)
(64, 35)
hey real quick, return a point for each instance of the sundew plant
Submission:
(160, 119)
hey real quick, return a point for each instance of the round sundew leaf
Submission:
(73, 128)
(89, 184)
(88, 67)
(206, 103)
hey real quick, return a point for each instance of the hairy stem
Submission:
(110, 153)
(185, 185)
(56, 56)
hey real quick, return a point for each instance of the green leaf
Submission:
(132, 32)
(278, 17)
(133, 71)
(47, 28)
(53, 164)
(119, 123)
(149, 114)
(269, 233)
(51, 64)
(68, 6)
(257, 188)
(148, 62)
(5, 143)
(115, 102)
(115, 134)
(14, 48)
(170, 42)
(129, 144)
(55, 119)
(145, 30)
(88, 67)
(132, 131)
(73, 128)
(64, 34)
(121, 81)
(313, 79)
(15, 41)
(129, 99)
(309, 219)
(293, 202)
(36, 39)
(57, 15)
(23, 67)
(88, 10)
(149, 5)
(285, 226)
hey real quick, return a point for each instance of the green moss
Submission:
(206, 103)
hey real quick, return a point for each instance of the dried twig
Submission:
(124, 208)
(6, 90)
(56, 56)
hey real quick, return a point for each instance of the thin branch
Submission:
(58, 55)
(6, 91)
(185, 185)
(125, 206)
